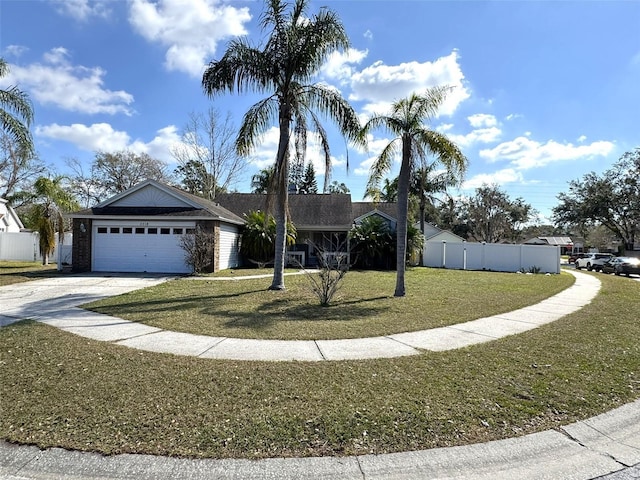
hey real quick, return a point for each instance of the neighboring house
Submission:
(321, 220)
(9, 221)
(565, 243)
(139, 230)
(434, 234)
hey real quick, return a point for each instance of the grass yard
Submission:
(18, 272)
(364, 306)
(62, 390)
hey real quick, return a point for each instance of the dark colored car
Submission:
(622, 265)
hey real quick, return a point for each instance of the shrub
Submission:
(198, 247)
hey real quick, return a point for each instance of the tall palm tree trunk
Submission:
(403, 205)
(282, 201)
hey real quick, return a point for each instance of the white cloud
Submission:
(368, 35)
(161, 146)
(102, 137)
(379, 85)
(70, 87)
(189, 29)
(82, 10)
(99, 136)
(501, 177)
(582, 138)
(14, 50)
(479, 135)
(513, 116)
(340, 65)
(524, 153)
(480, 120)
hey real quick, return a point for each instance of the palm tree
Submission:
(261, 182)
(427, 183)
(16, 113)
(297, 46)
(413, 142)
(51, 199)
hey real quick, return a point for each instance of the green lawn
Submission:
(62, 390)
(364, 306)
(18, 272)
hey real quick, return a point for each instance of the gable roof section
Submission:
(308, 212)
(445, 235)
(360, 209)
(154, 199)
(8, 215)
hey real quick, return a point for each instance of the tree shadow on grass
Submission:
(281, 310)
(176, 305)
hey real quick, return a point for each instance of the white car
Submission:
(593, 261)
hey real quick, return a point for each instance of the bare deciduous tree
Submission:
(19, 168)
(207, 155)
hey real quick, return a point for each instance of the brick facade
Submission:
(81, 247)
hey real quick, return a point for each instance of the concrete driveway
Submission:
(43, 298)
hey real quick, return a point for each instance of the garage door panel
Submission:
(141, 249)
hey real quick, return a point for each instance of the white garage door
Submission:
(139, 246)
(229, 246)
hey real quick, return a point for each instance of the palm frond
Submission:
(383, 163)
(255, 123)
(446, 151)
(326, 150)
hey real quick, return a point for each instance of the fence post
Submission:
(464, 255)
(521, 265)
(444, 254)
(483, 255)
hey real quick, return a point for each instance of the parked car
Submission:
(622, 265)
(574, 256)
(593, 261)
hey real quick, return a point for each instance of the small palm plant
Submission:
(259, 236)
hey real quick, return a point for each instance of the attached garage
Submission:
(129, 246)
(140, 230)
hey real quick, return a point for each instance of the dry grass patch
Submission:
(62, 390)
(364, 305)
(18, 272)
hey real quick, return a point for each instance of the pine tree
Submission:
(308, 184)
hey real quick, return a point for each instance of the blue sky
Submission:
(544, 92)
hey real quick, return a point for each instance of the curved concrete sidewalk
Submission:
(608, 444)
(42, 304)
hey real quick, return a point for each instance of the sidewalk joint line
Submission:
(319, 350)
(221, 339)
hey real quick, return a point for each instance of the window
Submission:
(152, 231)
(165, 231)
(115, 230)
(139, 229)
(191, 231)
(177, 231)
(127, 230)
(102, 229)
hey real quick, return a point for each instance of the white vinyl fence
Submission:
(23, 247)
(492, 256)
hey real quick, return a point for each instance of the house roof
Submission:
(11, 215)
(315, 211)
(563, 241)
(362, 208)
(154, 199)
(557, 240)
(444, 234)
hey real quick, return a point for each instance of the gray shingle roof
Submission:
(307, 211)
(360, 208)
